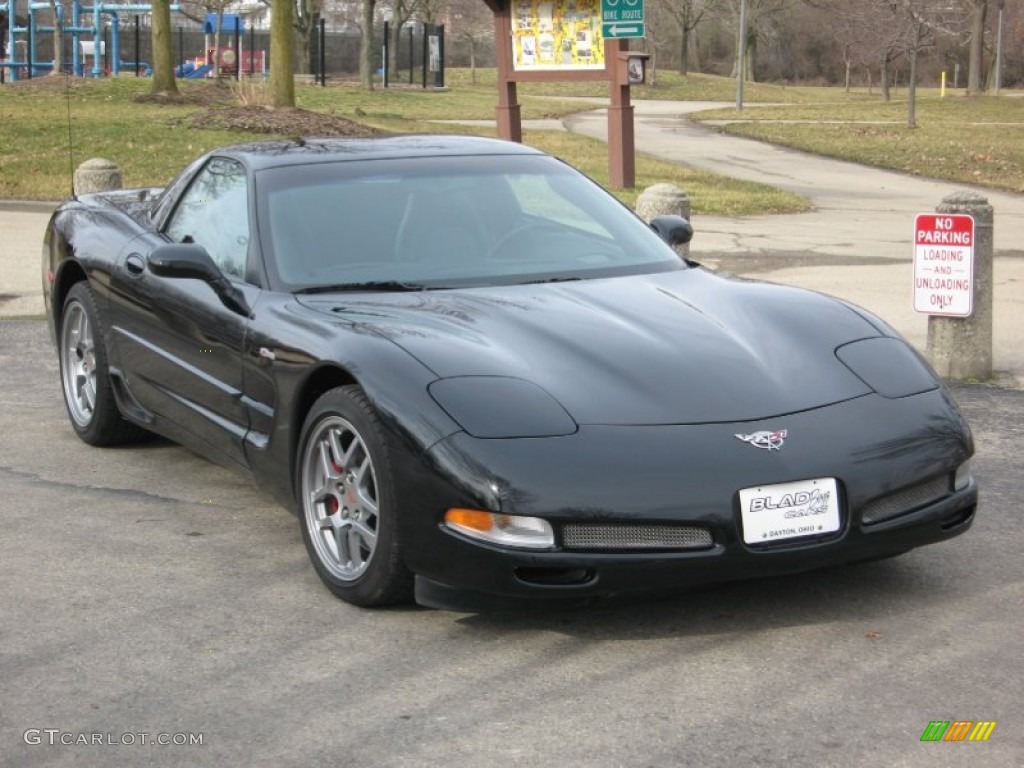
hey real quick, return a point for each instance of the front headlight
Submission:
(501, 407)
(889, 366)
(506, 530)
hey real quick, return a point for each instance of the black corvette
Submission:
(480, 380)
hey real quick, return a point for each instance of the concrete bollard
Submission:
(661, 199)
(97, 175)
(961, 347)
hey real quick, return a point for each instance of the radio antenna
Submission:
(67, 92)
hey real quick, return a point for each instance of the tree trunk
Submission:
(472, 60)
(883, 78)
(366, 46)
(58, 41)
(847, 75)
(684, 51)
(736, 58)
(282, 74)
(751, 74)
(163, 51)
(216, 46)
(749, 54)
(912, 91)
(395, 44)
(306, 20)
(305, 53)
(977, 49)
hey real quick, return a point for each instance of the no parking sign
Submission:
(944, 264)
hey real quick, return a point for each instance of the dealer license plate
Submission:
(789, 510)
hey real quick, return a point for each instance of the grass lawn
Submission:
(977, 140)
(670, 85)
(151, 145)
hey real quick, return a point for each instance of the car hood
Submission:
(686, 347)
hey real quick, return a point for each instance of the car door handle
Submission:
(134, 264)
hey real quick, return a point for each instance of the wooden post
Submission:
(621, 146)
(621, 143)
(510, 122)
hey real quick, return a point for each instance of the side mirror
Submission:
(674, 230)
(191, 260)
(183, 260)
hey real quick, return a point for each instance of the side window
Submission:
(214, 213)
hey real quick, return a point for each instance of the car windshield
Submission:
(410, 224)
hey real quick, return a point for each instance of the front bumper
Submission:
(482, 578)
(876, 449)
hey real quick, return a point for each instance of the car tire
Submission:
(346, 501)
(85, 375)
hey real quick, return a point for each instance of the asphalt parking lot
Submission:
(145, 591)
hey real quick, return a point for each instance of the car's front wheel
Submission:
(85, 377)
(347, 501)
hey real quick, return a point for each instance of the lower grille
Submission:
(631, 537)
(907, 500)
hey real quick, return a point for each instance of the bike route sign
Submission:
(622, 18)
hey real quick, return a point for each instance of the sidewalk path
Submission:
(858, 211)
(21, 246)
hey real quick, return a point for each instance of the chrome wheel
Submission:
(78, 364)
(339, 498)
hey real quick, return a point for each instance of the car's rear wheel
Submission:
(347, 501)
(85, 376)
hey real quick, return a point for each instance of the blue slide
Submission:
(190, 71)
(199, 72)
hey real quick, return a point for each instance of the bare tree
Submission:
(473, 22)
(759, 16)
(163, 51)
(868, 32)
(282, 75)
(58, 37)
(402, 11)
(978, 10)
(307, 17)
(369, 8)
(917, 37)
(432, 10)
(890, 31)
(686, 15)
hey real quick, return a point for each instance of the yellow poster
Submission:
(557, 34)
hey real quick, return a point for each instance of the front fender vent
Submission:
(591, 536)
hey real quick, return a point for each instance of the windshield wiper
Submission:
(552, 280)
(372, 285)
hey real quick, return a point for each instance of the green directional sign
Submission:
(622, 18)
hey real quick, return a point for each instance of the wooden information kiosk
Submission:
(562, 40)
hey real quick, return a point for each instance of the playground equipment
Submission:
(229, 56)
(77, 30)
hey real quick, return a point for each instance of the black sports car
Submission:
(480, 380)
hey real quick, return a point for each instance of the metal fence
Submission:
(134, 51)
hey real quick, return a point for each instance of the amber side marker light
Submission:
(505, 530)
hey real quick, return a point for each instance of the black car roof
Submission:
(283, 152)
